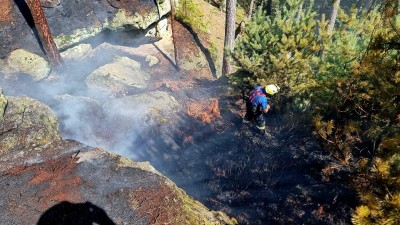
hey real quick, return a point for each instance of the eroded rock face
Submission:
(74, 21)
(43, 173)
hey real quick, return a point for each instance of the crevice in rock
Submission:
(7, 131)
(26, 13)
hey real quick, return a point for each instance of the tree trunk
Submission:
(251, 7)
(173, 35)
(45, 36)
(299, 12)
(229, 42)
(369, 5)
(334, 13)
(321, 10)
(242, 23)
(269, 7)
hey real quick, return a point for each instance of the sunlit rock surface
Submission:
(152, 60)
(44, 173)
(50, 3)
(76, 53)
(118, 77)
(22, 61)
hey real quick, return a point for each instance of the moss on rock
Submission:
(77, 35)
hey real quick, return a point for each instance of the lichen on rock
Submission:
(76, 53)
(65, 40)
(22, 61)
(27, 123)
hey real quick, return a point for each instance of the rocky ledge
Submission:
(73, 21)
(47, 180)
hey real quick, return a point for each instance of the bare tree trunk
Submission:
(334, 13)
(242, 23)
(44, 32)
(369, 4)
(299, 12)
(229, 42)
(251, 7)
(269, 7)
(321, 10)
(173, 34)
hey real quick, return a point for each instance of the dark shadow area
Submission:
(26, 12)
(166, 57)
(205, 50)
(66, 213)
(129, 38)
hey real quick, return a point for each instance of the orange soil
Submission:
(61, 184)
(205, 111)
(5, 11)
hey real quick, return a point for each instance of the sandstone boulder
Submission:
(77, 183)
(144, 109)
(77, 52)
(22, 61)
(118, 78)
(27, 123)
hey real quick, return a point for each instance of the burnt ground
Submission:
(272, 179)
(228, 166)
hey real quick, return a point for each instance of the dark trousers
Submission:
(253, 112)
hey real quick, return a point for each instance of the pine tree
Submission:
(277, 48)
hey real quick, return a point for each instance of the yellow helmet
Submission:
(271, 89)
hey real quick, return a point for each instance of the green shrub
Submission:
(190, 14)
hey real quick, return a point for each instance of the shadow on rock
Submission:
(65, 213)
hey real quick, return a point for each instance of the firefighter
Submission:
(257, 105)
